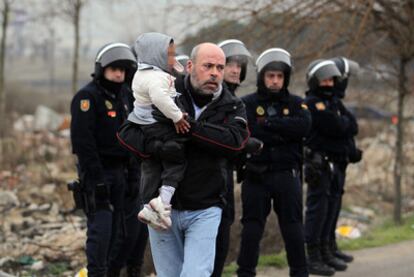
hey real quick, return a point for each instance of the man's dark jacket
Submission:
(219, 134)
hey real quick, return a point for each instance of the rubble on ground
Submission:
(38, 237)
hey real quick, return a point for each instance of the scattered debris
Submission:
(347, 231)
(34, 201)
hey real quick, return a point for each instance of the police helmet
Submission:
(347, 68)
(116, 55)
(235, 50)
(182, 59)
(319, 70)
(274, 59)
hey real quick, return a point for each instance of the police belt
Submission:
(329, 160)
(329, 157)
(263, 168)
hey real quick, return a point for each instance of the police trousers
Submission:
(323, 204)
(283, 190)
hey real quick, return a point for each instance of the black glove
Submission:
(253, 146)
(314, 165)
(355, 156)
(312, 175)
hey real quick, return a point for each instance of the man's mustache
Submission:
(211, 80)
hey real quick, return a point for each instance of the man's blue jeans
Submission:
(188, 247)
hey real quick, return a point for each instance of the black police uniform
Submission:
(227, 217)
(281, 122)
(354, 156)
(332, 125)
(106, 170)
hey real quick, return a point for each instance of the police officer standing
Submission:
(106, 171)
(326, 151)
(237, 58)
(347, 68)
(234, 74)
(281, 121)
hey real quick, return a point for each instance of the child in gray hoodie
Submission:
(154, 92)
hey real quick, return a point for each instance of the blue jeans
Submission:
(188, 247)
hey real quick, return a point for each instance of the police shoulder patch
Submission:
(108, 104)
(320, 106)
(260, 110)
(85, 105)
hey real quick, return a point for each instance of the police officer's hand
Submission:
(312, 175)
(182, 126)
(355, 156)
(253, 146)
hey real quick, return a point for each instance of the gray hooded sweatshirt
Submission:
(152, 85)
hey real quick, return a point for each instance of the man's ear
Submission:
(189, 66)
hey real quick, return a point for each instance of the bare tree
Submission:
(396, 20)
(5, 12)
(73, 9)
(392, 20)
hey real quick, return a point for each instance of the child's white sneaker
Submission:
(163, 210)
(148, 216)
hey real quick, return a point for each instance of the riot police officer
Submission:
(235, 70)
(326, 150)
(281, 121)
(347, 68)
(108, 175)
(237, 58)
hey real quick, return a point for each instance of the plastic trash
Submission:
(347, 231)
(82, 273)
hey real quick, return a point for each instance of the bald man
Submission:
(218, 133)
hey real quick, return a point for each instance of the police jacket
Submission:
(281, 123)
(219, 134)
(332, 125)
(353, 151)
(96, 116)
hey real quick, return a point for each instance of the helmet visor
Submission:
(273, 55)
(233, 47)
(324, 70)
(353, 67)
(115, 52)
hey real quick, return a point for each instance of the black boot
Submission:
(339, 254)
(315, 264)
(330, 259)
(113, 272)
(133, 271)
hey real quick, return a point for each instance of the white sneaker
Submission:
(163, 210)
(148, 216)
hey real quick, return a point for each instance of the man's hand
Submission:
(182, 126)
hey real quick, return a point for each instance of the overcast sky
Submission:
(126, 19)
